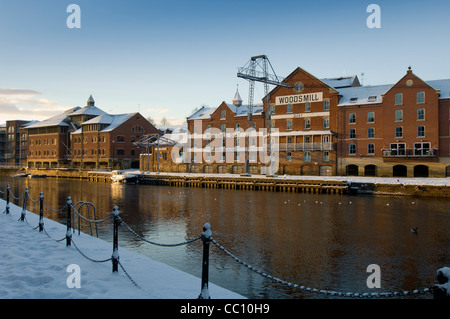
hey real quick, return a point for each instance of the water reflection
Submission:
(320, 241)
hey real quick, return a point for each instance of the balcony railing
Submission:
(306, 146)
(410, 152)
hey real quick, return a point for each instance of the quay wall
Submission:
(238, 182)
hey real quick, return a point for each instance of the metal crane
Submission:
(257, 69)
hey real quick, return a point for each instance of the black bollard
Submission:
(25, 197)
(69, 222)
(206, 239)
(41, 212)
(8, 190)
(115, 255)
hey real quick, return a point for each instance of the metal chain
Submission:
(157, 244)
(129, 277)
(323, 291)
(91, 220)
(96, 261)
(56, 211)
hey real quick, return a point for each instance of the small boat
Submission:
(121, 176)
(20, 175)
(37, 176)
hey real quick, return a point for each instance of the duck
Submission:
(414, 230)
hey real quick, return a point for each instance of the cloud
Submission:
(157, 110)
(25, 104)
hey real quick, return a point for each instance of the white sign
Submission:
(299, 98)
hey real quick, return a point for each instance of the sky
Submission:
(166, 58)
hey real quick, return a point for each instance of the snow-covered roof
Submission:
(361, 95)
(114, 120)
(443, 86)
(88, 110)
(58, 120)
(342, 82)
(203, 113)
(243, 109)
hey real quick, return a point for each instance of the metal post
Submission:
(22, 216)
(69, 222)
(41, 212)
(8, 190)
(115, 255)
(206, 239)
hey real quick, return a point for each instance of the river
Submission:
(320, 241)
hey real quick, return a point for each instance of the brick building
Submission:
(399, 130)
(86, 138)
(335, 126)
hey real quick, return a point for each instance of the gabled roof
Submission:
(58, 120)
(243, 109)
(112, 120)
(88, 110)
(202, 114)
(342, 82)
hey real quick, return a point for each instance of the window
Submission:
(289, 108)
(288, 156)
(222, 128)
(326, 122)
(352, 133)
(398, 99)
(370, 148)
(370, 117)
(399, 131)
(298, 87)
(352, 118)
(353, 100)
(307, 156)
(223, 114)
(137, 129)
(370, 132)
(326, 156)
(352, 149)
(288, 125)
(307, 124)
(421, 131)
(420, 114)
(120, 139)
(420, 97)
(372, 98)
(307, 107)
(398, 149)
(272, 109)
(421, 148)
(326, 105)
(236, 127)
(398, 115)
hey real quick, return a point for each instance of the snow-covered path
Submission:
(34, 266)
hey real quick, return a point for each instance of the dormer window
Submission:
(353, 100)
(372, 98)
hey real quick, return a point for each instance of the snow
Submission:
(430, 181)
(34, 266)
(445, 271)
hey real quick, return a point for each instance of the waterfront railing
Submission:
(72, 211)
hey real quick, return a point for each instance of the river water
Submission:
(320, 241)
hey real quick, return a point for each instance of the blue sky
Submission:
(165, 58)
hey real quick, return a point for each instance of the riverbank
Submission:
(35, 266)
(402, 186)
